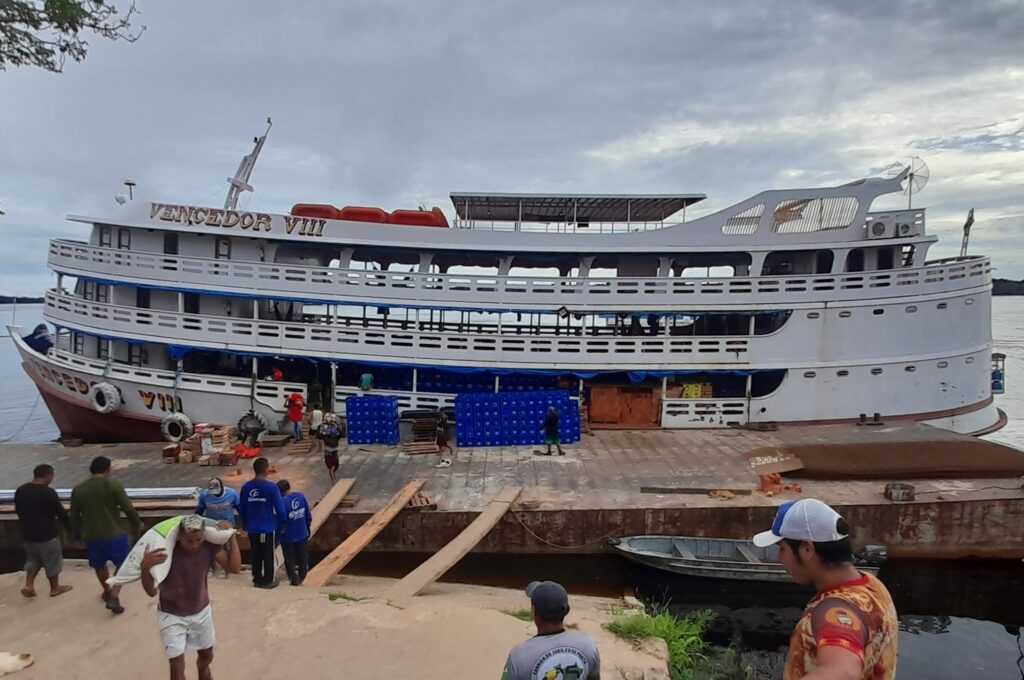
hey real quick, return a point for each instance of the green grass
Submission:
(334, 597)
(521, 614)
(684, 637)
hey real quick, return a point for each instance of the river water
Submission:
(958, 620)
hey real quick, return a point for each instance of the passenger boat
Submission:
(720, 558)
(791, 306)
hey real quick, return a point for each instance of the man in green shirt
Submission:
(96, 507)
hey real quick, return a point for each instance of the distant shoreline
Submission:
(11, 299)
(1007, 287)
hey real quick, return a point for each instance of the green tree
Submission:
(45, 33)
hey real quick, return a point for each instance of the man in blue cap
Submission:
(553, 652)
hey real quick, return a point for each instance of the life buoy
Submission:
(176, 427)
(105, 398)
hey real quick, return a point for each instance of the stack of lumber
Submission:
(422, 501)
(424, 438)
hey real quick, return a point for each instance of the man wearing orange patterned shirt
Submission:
(849, 629)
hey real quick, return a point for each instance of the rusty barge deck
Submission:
(571, 503)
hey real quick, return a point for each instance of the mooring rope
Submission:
(30, 413)
(555, 545)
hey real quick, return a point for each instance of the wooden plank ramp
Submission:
(448, 556)
(321, 511)
(319, 575)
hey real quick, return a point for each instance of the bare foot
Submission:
(60, 591)
(28, 592)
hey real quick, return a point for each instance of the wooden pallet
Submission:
(350, 501)
(417, 448)
(422, 501)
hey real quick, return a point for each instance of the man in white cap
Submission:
(849, 629)
(554, 652)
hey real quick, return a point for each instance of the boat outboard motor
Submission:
(872, 555)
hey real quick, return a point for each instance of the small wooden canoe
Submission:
(723, 558)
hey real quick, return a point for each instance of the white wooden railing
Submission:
(353, 286)
(703, 413)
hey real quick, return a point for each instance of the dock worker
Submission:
(550, 430)
(184, 614)
(218, 503)
(262, 512)
(849, 628)
(553, 652)
(296, 406)
(331, 433)
(40, 515)
(296, 532)
(96, 508)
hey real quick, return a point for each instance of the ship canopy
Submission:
(579, 208)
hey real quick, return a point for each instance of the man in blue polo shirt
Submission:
(262, 512)
(295, 536)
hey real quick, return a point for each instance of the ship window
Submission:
(105, 237)
(911, 309)
(813, 315)
(885, 258)
(910, 369)
(842, 374)
(745, 222)
(855, 260)
(135, 355)
(810, 374)
(142, 298)
(805, 215)
(89, 290)
(170, 243)
(222, 248)
(124, 239)
(845, 315)
(941, 305)
(79, 343)
(191, 301)
(786, 262)
(943, 364)
(876, 371)
(878, 312)
(969, 301)
(969, 360)
(102, 348)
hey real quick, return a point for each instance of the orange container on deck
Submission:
(356, 213)
(317, 210)
(419, 218)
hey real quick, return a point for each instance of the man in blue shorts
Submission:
(96, 507)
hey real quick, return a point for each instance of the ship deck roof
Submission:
(571, 207)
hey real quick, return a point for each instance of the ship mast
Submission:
(240, 182)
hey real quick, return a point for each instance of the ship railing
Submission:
(154, 377)
(678, 413)
(369, 344)
(350, 286)
(407, 400)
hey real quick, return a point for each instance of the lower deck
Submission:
(595, 490)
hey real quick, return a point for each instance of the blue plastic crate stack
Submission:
(513, 418)
(372, 420)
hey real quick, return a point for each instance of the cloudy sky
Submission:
(398, 103)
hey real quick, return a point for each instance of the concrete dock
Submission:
(572, 503)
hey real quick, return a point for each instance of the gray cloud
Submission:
(397, 104)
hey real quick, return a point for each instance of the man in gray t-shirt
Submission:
(554, 653)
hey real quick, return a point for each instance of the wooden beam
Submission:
(693, 490)
(448, 556)
(321, 511)
(319, 575)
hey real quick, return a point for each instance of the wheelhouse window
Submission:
(170, 243)
(222, 248)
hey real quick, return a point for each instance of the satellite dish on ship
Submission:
(915, 179)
